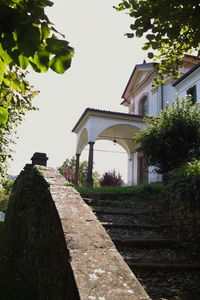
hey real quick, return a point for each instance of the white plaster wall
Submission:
(133, 172)
(169, 94)
(153, 176)
(130, 170)
(188, 82)
(99, 124)
(153, 100)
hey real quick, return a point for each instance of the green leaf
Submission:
(133, 27)
(34, 66)
(46, 3)
(3, 116)
(129, 35)
(14, 85)
(30, 40)
(23, 61)
(45, 30)
(139, 33)
(41, 59)
(4, 55)
(60, 64)
(6, 81)
(58, 47)
(150, 55)
(2, 70)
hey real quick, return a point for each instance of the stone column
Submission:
(131, 170)
(90, 165)
(77, 168)
(135, 170)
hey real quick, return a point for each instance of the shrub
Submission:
(110, 178)
(173, 138)
(184, 185)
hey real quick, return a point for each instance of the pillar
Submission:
(90, 164)
(77, 168)
(135, 170)
(131, 180)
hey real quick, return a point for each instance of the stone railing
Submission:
(57, 242)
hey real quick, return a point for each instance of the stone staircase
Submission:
(166, 267)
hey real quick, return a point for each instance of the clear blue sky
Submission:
(103, 62)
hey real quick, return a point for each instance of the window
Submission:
(144, 106)
(193, 93)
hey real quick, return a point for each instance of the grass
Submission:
(146, 191)
(144, 197)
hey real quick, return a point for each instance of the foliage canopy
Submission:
(27, 38)
(173, 138)
(5, 192)
(171, 28)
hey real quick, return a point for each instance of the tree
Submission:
(171, 28)
(27, 39)
(173, 138)
(5, 193)
(17, 99)
(68, 171)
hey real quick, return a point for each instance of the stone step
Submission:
(162, 266)
(100, 202)
(122, 212)
(146, 243)
(178, 255)
(133, 226)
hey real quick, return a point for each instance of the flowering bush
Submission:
(110, 178)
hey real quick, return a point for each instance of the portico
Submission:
(96, 125)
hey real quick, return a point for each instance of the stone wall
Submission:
(185, 222)
(36, 241)
(57, 242)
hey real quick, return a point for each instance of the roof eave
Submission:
(153, 64)
(197, 66)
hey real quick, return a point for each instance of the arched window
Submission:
(144, 106)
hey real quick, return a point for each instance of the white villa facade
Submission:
(140, 99)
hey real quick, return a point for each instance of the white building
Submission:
(140, 99)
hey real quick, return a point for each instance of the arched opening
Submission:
(108, 157)
(97, 125)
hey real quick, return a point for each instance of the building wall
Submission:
(188, 82)
(155, 105)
